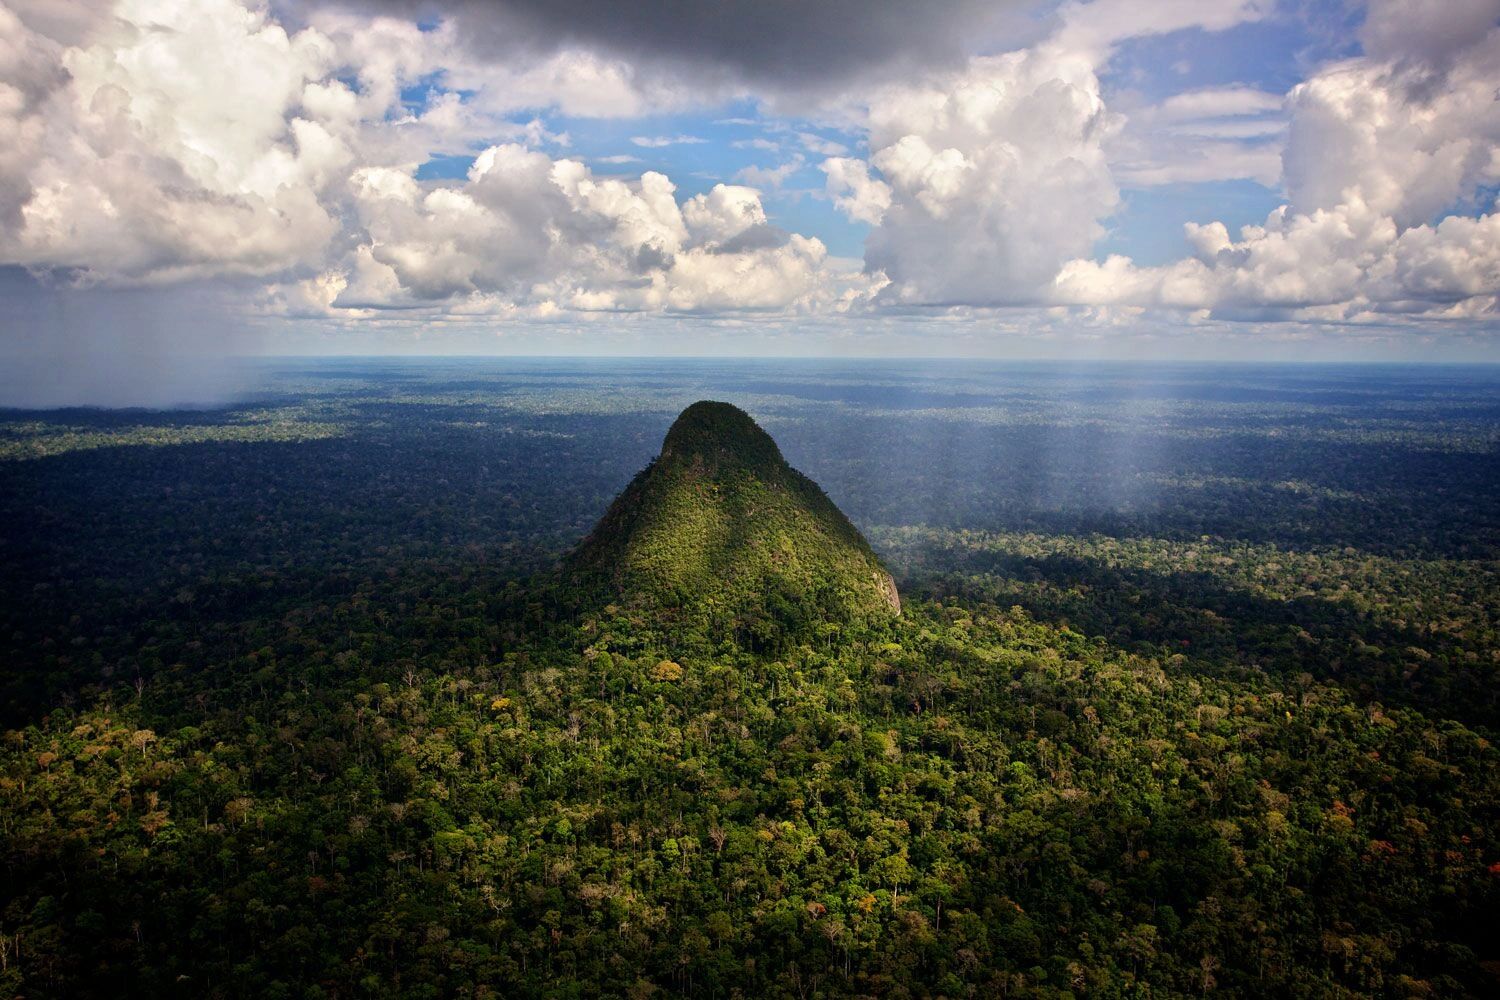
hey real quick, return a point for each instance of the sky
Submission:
(189, 180)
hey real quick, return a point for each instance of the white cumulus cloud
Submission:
(1379, 167)
(989, 179)
(982, 183)
(171, 145)
(527, 228)
(154, 141)
(855, 193)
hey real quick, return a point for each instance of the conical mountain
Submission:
(720, 532)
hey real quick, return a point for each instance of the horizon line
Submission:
(911, 358)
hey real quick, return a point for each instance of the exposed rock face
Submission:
(888, 590)
(720, 530)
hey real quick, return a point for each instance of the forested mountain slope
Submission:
(721, 534)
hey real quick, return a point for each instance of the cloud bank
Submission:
(282, 155)
(123, 168)
(1383, 153)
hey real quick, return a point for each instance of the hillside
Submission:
(720, 532)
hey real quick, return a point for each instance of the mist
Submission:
(62, 346)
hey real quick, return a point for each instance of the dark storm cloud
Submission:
(757, 237)
(779, 44)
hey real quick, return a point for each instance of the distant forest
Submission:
(1194, 691)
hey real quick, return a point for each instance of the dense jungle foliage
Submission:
(1193, 691)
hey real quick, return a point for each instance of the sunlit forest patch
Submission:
(34, 439)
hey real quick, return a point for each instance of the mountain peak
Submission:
(721, 534)
(715, 432)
